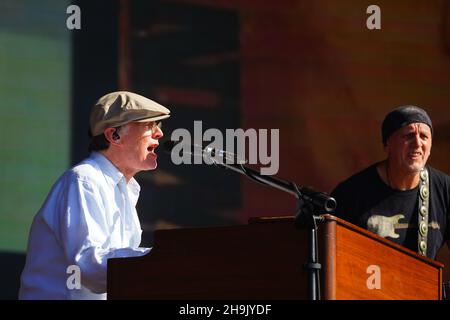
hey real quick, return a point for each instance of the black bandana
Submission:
(403, 116)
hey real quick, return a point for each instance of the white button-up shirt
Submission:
(88, 217)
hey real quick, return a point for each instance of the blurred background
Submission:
(311, 69)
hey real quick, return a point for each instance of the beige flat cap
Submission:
(118, 108)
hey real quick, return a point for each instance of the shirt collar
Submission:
(112, 174)
(134, 188)
(110, 171)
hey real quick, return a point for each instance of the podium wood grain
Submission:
(264, 260)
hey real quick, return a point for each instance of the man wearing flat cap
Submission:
(401, 198)
(89, 215)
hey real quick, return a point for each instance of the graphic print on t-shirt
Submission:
(386, 226)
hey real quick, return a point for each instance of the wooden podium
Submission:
(264, 260)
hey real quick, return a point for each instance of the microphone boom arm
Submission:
(320, 200)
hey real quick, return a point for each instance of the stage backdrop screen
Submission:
(35, 60)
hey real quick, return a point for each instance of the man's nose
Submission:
(157, 133)
(417, 141)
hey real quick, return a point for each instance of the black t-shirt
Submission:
(366, 201)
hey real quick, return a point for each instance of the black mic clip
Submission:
(311, 204)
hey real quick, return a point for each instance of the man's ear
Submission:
(112, 136)
(386, 145)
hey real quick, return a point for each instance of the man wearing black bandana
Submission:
(401, 198)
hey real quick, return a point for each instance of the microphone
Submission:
(198, 151)
(319, 199)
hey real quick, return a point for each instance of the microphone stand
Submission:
(310, 202)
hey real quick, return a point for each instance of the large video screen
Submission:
(35, 62)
